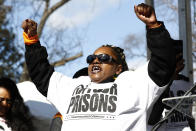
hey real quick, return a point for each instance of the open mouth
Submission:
(95, 69)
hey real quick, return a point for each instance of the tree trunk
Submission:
(25, 74)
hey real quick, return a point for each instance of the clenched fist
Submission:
(146, 14)
(30, 27)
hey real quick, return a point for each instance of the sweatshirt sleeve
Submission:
(162, 62)
(38, 66)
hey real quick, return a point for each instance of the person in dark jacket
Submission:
(110, 97)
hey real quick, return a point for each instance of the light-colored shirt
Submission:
(115, 106)
(3, 125)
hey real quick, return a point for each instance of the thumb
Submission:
(141, 17)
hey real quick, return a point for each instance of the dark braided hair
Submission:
(120, 55)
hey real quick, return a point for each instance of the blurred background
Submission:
(73, 29)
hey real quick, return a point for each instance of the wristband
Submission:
(58, 115)
(30, 40)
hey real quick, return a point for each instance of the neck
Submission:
(2, 116)
(110, 79)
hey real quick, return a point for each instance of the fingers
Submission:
(179, 69)
(30, 27)
(179, 56)
(143, 9)
(147, 15)
(24, 25)
(180, 63)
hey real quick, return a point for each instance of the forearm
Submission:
(38, 66)
(36, 55)
(162, 63)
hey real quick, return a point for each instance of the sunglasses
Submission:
(101, 58)
(5, 99)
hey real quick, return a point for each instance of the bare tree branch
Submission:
(64, 61)
(66, 43)
(134, 46)
(47, 13)
(170, 5)
(25, 74)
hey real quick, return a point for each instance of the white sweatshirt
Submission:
(116, 106)
(3, 125)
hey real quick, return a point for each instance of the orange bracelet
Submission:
(58, 115)
(30, 40)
